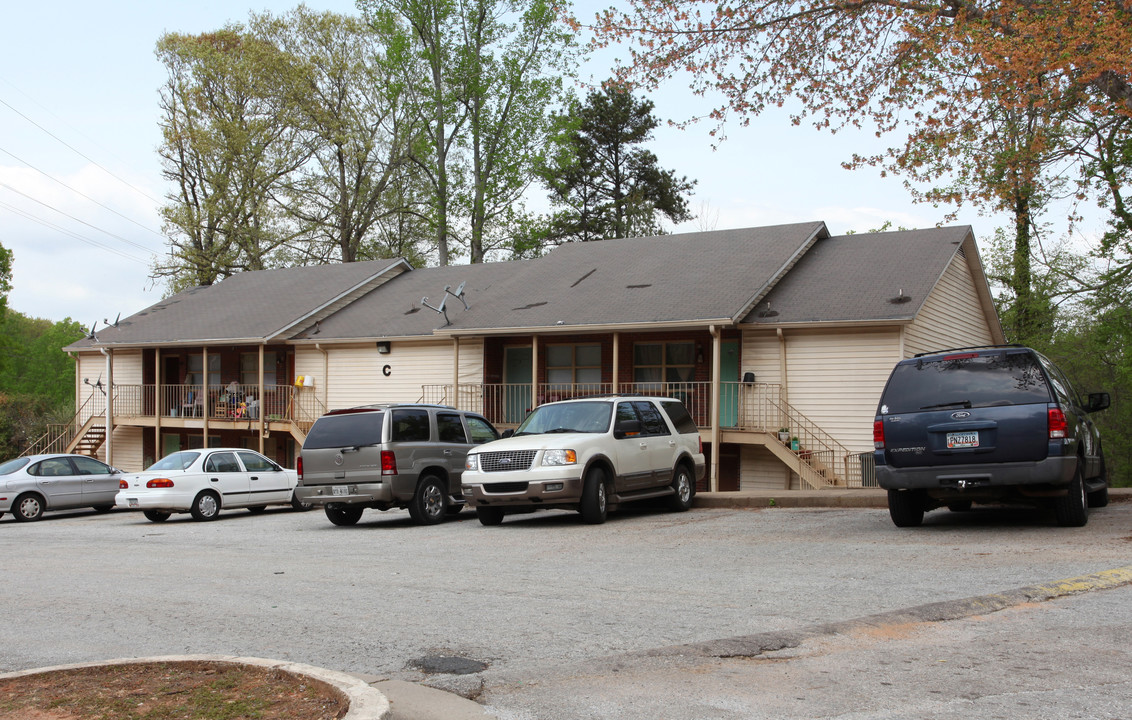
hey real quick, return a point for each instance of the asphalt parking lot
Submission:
(541, 591)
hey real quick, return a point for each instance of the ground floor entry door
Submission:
(517, 377)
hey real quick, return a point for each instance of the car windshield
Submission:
(583, 417)
(965, 381)
(176, 461)
(13, 465)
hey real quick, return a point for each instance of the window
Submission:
(410, 426)
(54, 467)
(90, 466)
(481, 430)
(249, 368)
(568, 365)
(672, 362)
(449, 428)
(195, 376)
(254, 462)
(222, 462)
(651, 421)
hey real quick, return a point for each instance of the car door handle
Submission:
(644, 446)
(214, 479)
(254, 477)
(448, 453)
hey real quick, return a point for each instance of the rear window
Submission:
(680, 417)
(965, 381)
(351, 430)
(13, 465)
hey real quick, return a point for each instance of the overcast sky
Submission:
(80, 180)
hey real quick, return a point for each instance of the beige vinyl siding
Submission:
(951, 316)
(92, 367)
(759, 469)
(762, 356)
(835, 379)
(355, 374)
(127, 367)
(127, 449)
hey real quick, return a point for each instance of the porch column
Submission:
(716, 355)
(456, 372)
(534, 371)
(109, 406)
(616, 362)
(158, 404)
(260, 406)
(204, 408)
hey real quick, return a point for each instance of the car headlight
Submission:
(472, 462)
(559, 457)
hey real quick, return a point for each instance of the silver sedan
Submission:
(30, 486)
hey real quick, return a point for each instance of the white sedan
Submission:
(203, 482)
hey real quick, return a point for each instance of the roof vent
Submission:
(767, 313)
(900, 298)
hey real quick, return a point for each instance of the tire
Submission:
(206, 506)
(257, 509)
(490, 516)
(594, 507)
(28, 507)
(430, 502)
(156, 515)
(298, 506)
(103, 508)
(1073, 509)
(344, 517)
(455, 508)
(682, 490)
(906, 507)
(1099, 498)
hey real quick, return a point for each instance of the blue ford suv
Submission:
(987, 424)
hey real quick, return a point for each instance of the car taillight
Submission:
(1057, 424)
(159, 483)
(123, 485)
(388, 463)
(878, 434)
(299, 467)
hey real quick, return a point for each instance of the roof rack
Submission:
(973, 347)
(386, 406)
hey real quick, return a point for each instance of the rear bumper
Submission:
(1051, 471)
(347, 493)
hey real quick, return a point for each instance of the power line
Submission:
(71, 233)
(78, 152)
(84, 222)
(80, 193)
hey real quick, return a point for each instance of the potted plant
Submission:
(794, 445)
(784, 434)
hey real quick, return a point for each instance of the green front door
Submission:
(729, 383)
(516, 383)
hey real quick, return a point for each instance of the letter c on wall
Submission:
(386, 371)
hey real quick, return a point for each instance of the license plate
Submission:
(339, 490)
(133, 502)
(962, 440)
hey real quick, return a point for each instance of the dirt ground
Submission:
(193, 690)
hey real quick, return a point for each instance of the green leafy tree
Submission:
(230, 134)
(355, 118)
(5, 277)
(37, 379)
(605, 185)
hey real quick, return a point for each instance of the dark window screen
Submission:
(679, 416)
(410, 426)
(965, 381)
(351, 430)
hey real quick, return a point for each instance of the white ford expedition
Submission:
(589, 455)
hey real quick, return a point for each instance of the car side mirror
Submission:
(1097, 402)
(627, 428)
(507, 433)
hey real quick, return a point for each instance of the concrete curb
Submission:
(758, 644)
(366, 702)
(829, 498)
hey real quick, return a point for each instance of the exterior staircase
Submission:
(89, 437)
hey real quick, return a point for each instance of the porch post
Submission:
(456, 372)
(616, 362)
(204, 408)
(534, 371)
(716, 353)
(109, 407)
(157, 405)
(260, 405)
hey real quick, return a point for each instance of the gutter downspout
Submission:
(109, 405)
(325, 377)
(260, 405)
(716, 353)
(456, 371)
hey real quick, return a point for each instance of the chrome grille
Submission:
(507, 461)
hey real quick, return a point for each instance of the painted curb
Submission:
(366, 703)
(754, 645)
